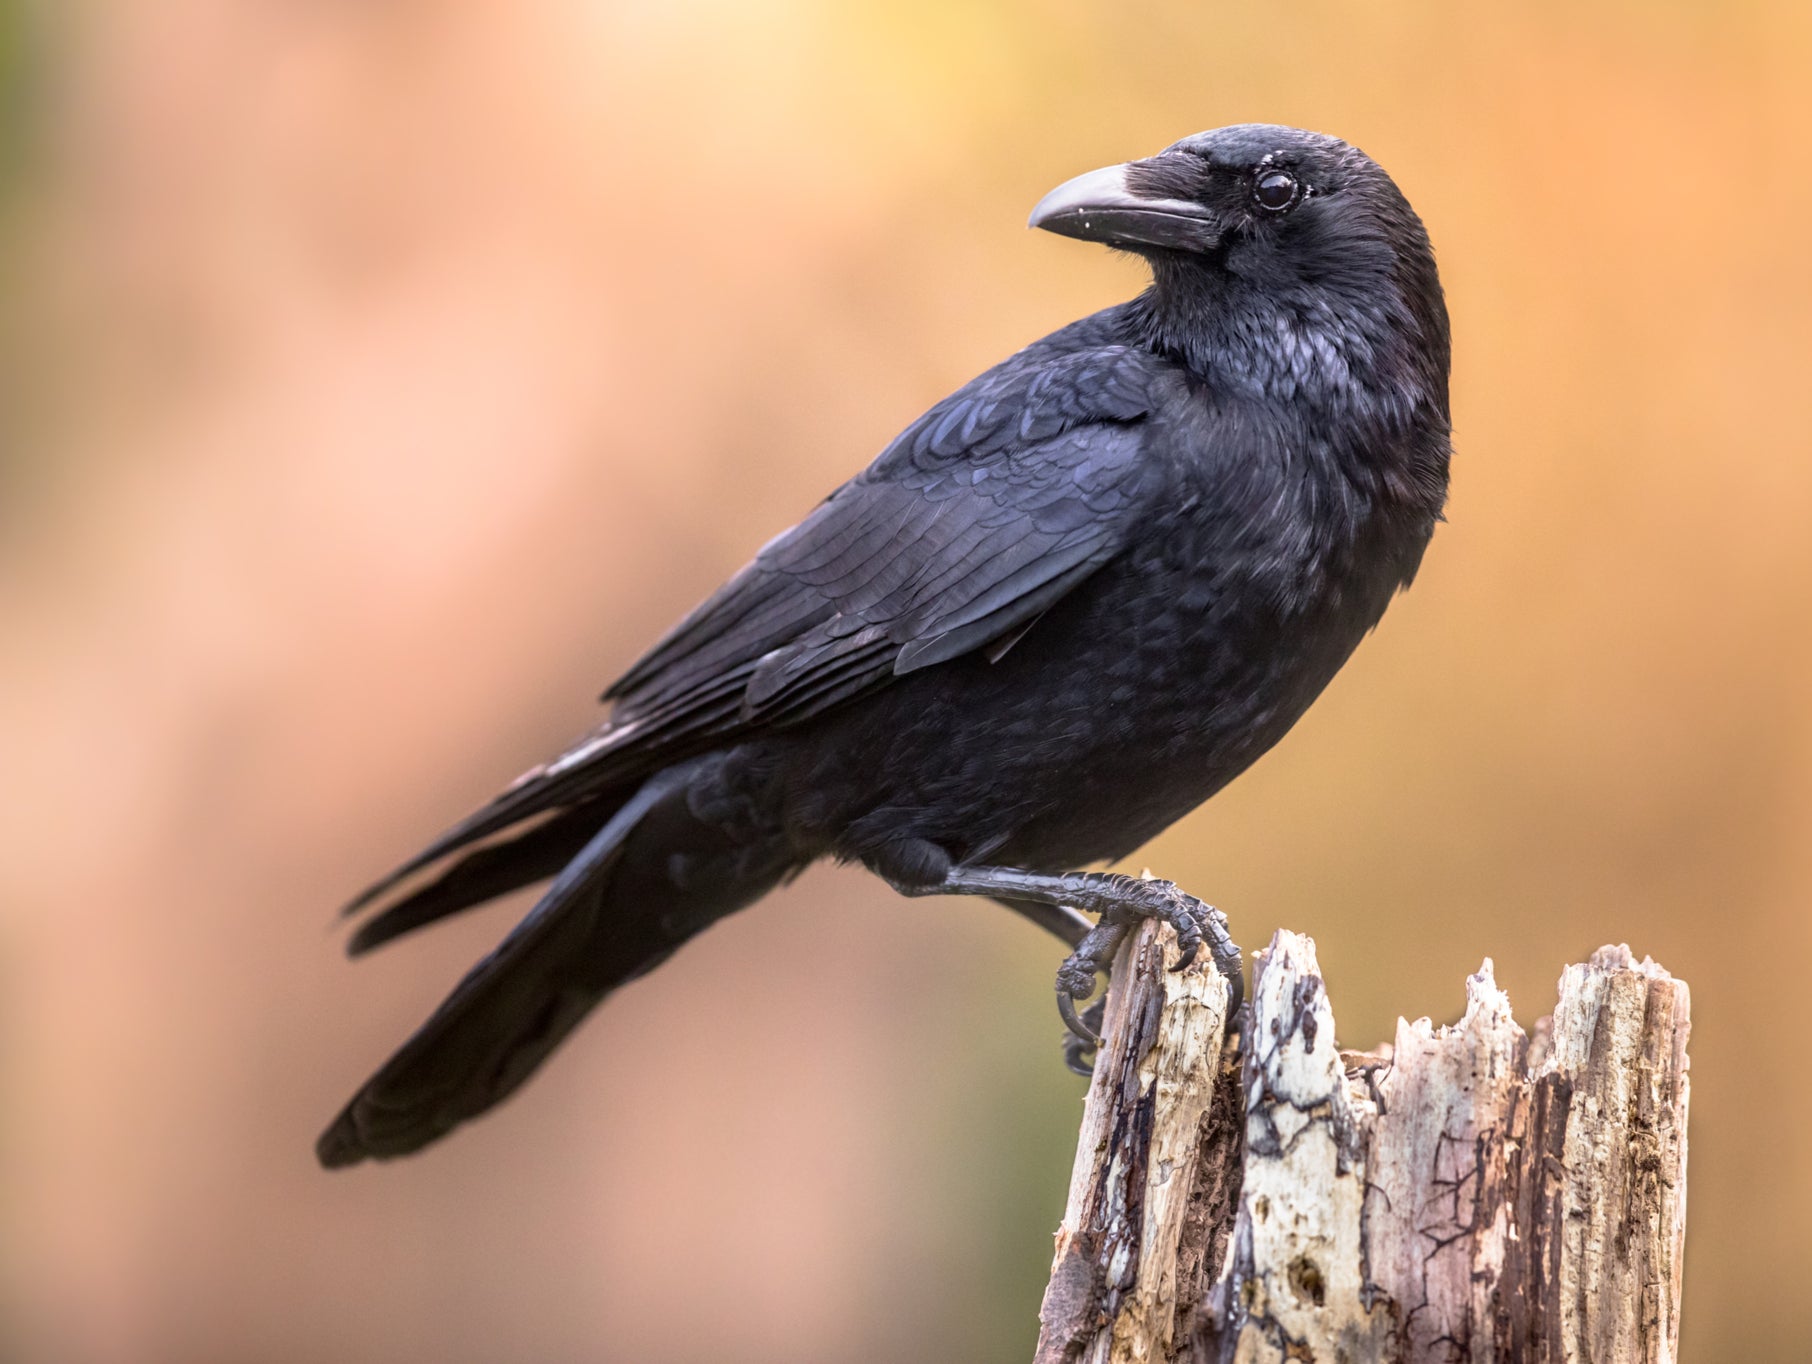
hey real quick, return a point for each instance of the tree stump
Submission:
(1468, 1193)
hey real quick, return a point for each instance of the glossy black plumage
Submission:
(1064, 607)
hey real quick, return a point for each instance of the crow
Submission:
(1063, 608)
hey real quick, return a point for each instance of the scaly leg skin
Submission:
(1121, 901)
(1082, 1035)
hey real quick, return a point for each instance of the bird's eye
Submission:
(1275, 191)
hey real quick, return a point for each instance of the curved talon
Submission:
(1078, 1053)
(1066, 1006)
(1188, 952)
(1227, 960)
(1236, 999)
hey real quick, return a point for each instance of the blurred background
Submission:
(377, 380)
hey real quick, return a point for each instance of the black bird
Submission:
(1066, 606)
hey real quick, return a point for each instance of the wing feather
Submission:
(969, 527)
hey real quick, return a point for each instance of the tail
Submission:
(650, 878)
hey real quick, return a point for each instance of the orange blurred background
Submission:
(376, 380)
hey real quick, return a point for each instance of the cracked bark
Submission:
(1123, 1265)
(1467, 1193)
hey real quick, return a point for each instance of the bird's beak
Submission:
(1106, 206)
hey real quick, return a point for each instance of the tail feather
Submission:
(500, 1022)
(487, 873)
(616, 910)
(597, 768)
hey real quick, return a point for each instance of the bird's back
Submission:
(1257, 566)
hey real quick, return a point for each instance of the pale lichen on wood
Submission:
(1468, 1193)
(1296, 1269)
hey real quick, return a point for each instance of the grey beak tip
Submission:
(1101, 207)
(1092, 189)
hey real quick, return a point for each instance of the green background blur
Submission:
(376, 380)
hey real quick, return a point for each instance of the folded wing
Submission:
(979, 517)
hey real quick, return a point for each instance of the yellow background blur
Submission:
(376, 380)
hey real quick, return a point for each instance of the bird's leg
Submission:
(1121, 901)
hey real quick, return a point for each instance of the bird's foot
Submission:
(1122, 901)
(1083, 1038)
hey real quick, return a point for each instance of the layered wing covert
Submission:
(966, 529)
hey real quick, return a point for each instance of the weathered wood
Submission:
(1116, 1282)
(1467, 1193)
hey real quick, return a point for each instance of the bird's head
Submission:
(1265, 229)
